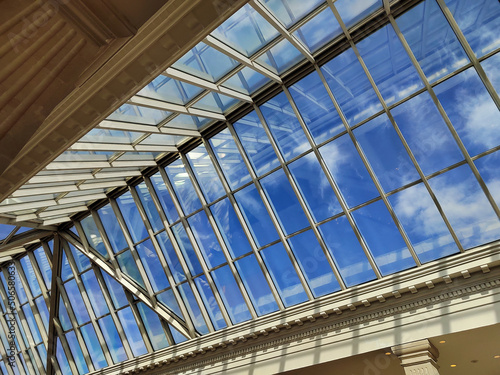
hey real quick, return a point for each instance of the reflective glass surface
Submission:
(171, 257)
(193, 308)
(183, 186)
(256, 143)
(93, 346)
(149, 207)
(205, 173)
(187, 249)
(213, 309)
(351, 87)
(152, 265)
(93, 236)
(471, 111)
(284, 202)
(207, 242)
(383, 238)
(132, 332)
(351, 11)
(128, 266)
(284, 275)
(112, 228)
(131, 216)
(256, 216)
(314, 34)
(347, 252)
(112, 339)
(164, 198)
(347, 169)
(386, 154)
(94, 293)
(153, 327)
(314, 264)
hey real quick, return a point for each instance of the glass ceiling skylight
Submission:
(382, 158)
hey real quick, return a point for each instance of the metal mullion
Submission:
(450, 126)
(34, 309)
(178, 251)
(66, 348)
(470, 53)
(338, 193)
(109, 302)
(160, 255)
(140, 324)
(218, 234)
(27, 360)
(54, 303)
(274, 216)
(405, 144)
(86, 302)
(244, 224)
(133, 251)
(361, 152)
(48, 253)
(297, 25)
(171, 191)
(275, 23)
(301, 200)
(196, 248)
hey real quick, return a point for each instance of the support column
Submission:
(418, 357)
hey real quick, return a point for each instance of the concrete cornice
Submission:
(450, 281)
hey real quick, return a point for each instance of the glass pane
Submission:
(471, 111)
(193, 308)
(205, 173)
(314, 187)
(320, 30)
(210, 303)
(128, 266)
(66, 271)
(43, 266)
(316, 108)
(112, 228)
(256, 285)
(230, 159)
(353, 11)
(93, 236)
(431, 40)
(231, 295)
(171, 257)
(313, 263)
(383, 238)
(230, 228)
(61, 358)
(280, 57)
(256, 216)
(30, 276)
(153, 327)
(385, 153)
(182, 186)
(164, 198)
(30, 319)
(5, 230)
(351, 87)
(246, 31)
(140, 115)
(207, 242)
(348, 170)
(284, 202)
(187, 249)
(170, 90)
(112, 339)
(256, 143)
(149, 207)
(75, 298)
(466, 207)
(94, 293)
(284, 275)
(488, 169)
(426, 133)
(152, 266)
(479, 21)
(77, 353)
(93, 346)
(389, 65)
(215, 102)
(423, 224)
(43, 311)
(132, 331)
(132, 217)
(115, 291)
(285, 127)
(347, 252)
